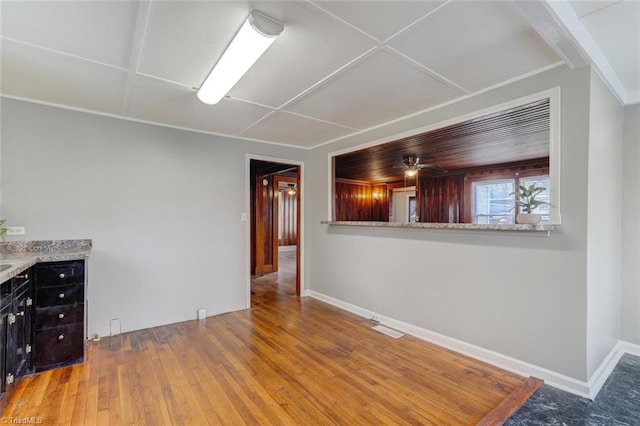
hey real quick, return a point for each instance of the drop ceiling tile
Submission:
(380, 19)
(184, 40)
(582, 7)
(163, 102)
(497, 44)
(98, 30)
(377, 89)
(311, 46)
(42, 75)
(616, 30)
(291, 129)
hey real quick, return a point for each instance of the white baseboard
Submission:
(630, 348)
(605, 369)
(578, 387)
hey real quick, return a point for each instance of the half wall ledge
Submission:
(447, 226)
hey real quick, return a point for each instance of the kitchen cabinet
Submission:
(16, 332)
(59, 314)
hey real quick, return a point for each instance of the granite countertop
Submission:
(463, 226)
(21, 255)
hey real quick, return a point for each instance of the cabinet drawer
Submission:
(59, 273)
(59, 346)
(59, 315)
(61, 295)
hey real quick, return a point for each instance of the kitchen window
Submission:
(493, 200)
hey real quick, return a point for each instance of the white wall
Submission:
(161, 205)
(631, 226)
(604, 222)
(520, 295)
(400, 203)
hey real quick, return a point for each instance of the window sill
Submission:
(457, 226)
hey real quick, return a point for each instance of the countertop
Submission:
(21, 255)
(461, 226)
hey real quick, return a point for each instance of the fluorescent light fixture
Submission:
(254, 38)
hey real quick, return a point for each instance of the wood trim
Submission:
(275, 227)
(512, 403)
(298, 229)
(332, 193)
(356, 182)
(259, 243)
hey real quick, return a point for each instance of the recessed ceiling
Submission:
(337, 69)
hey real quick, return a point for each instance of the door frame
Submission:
(247, 212)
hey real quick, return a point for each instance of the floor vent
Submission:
(389, 332)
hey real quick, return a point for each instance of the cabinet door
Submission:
(6, 353)
(23, 341)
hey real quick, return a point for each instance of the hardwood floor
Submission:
(287, 360)
(276, 286)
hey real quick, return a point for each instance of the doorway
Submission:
(275, 195)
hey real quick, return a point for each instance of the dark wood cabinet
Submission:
(59, 314)
(16, 332)
(23, 311)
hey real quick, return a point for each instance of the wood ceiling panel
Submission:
(517, 134)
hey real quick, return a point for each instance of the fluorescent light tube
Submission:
(254, 38)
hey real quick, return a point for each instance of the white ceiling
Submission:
(339, 67)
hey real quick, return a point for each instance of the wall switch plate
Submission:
(15, 230)
(243, 217)
(202, 314)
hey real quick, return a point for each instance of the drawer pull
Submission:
(60, 316)
(61, 295)
(61, 337)
(25, 276)
(61, 276)
(21, 313)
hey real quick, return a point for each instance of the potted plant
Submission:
(526, 200)
(3, 229)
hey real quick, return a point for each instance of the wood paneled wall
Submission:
(360, 201)
(265, 224)
(287, 229)
(441, 199)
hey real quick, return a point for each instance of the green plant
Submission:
(526, 199)
(3, 229)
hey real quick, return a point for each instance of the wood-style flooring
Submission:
(287, 360)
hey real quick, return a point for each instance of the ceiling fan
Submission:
(411, 165)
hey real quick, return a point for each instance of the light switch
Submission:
(243, 217)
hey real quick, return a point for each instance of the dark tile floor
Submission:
(618, 403)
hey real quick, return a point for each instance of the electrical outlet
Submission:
(15, 230)
(374, 317)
